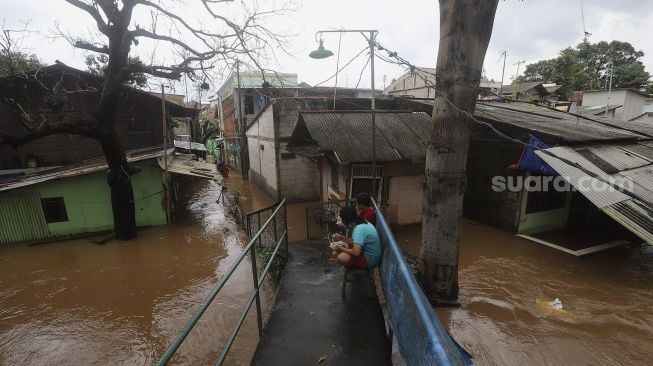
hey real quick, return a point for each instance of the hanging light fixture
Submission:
(321, 52)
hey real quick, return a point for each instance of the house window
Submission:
(548, 198)
(54, 209)
(362, 180)
(249, 104)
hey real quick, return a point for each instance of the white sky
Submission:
(529, 30)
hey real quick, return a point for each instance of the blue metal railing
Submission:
(421, 337)
(254, 297)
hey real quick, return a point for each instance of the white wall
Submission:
(633, 102)
(262, 153)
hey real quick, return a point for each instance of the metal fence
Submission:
(276, 216)
(253, 222)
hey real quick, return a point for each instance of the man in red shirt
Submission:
(365, 208)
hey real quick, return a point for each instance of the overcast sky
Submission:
(528, 30)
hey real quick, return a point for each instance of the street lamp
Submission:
(321, 53)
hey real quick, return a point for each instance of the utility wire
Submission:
(343, 67)
(471, 117)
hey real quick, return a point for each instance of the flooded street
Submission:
(506, 281)
(78, 303)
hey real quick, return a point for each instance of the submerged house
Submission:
(569, 219)
(45, 203)
(339, 142)
(56, 186)
(578, 150)
(283, 173)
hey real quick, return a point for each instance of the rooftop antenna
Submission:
(582, 16)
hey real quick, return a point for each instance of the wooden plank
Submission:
(580, 252)
(548, 244)
(601, 247)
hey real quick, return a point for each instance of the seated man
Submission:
(363, 249)
(365, 208)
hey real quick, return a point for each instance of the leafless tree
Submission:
(13, 59)
(465, 30)
(220, 41)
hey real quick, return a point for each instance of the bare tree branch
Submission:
(94, 12)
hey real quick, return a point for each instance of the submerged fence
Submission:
(273, 231)
(421, 337)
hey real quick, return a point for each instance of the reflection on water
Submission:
(608, 300)
(78, 303)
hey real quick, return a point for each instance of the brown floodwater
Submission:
(506, 283)
(78, 303)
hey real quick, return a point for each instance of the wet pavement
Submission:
(310, 321)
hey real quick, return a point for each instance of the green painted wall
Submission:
(87, 200)
(542, 221)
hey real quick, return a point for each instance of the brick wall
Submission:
(229, 117)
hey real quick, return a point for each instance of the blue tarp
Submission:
(529, 161)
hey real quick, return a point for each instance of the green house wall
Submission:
(88, 203)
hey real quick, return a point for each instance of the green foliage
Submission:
(588, 66)
(264, 254)
(210, 126)
(14, 63)
(649, 87)
(96, 65)
(208, 122)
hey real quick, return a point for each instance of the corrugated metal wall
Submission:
(21, 218)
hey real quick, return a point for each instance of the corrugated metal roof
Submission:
(642, 127)
(611, 162)
(620, 159)
(634, 217)
(579, 179)
(563, 126)
(399, 135)
(86, 167)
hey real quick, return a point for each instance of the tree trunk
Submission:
(119, 177)
(465, 30)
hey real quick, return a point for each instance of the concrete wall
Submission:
(633, 103)
(262, 153)
(487, 159)
(412, 84)
(299, 177)
(403, 191)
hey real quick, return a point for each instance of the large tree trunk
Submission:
(465, 30)
(119, 177)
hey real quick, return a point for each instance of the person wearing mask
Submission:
(365, 208)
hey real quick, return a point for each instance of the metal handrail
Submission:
(435, 345)
(251, 248)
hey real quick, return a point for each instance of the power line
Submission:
(501, 134)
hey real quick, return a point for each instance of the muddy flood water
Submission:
(506, 283)
(78, 303)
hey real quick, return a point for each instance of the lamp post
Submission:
(321, 53)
